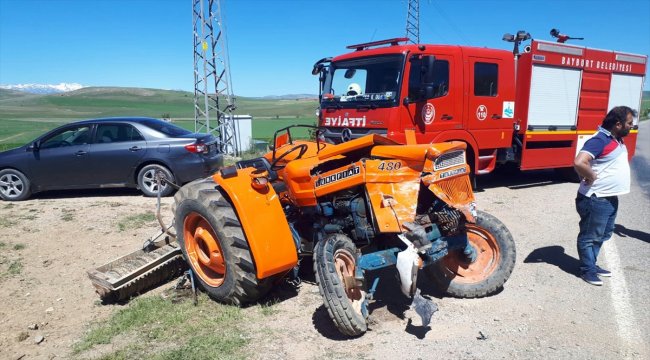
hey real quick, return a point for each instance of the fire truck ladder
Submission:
(213, 96)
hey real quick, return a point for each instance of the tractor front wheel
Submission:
(214, 246)
(495, 259)
(335, 260)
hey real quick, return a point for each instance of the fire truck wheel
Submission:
(495, 250)
(214, 246)
(334, 265)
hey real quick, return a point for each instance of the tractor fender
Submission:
(263, 221)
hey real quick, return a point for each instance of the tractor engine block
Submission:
(348, 211)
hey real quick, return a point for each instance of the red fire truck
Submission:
(534, 108)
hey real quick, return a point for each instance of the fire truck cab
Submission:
(535, 109)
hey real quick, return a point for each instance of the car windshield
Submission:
(373, 80)
(166, 128)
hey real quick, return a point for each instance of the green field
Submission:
(263, 129)
(24, 117)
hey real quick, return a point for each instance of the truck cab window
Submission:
(486, 76)
(440, 81)
(362, 82)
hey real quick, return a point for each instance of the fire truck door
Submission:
(440, 107)
(491, 99)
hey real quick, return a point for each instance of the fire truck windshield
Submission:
(371, 80)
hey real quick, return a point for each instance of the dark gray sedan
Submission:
(111, 152)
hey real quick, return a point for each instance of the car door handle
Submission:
(446, 117)
(135, 148)
(81, 153)
(496, 117)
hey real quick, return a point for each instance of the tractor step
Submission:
(138, 271)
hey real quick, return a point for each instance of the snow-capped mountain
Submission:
(43, 88)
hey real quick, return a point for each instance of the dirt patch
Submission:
(544, 311)
(55, 238)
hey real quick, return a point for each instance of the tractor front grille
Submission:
(449, 159)
(457, 190)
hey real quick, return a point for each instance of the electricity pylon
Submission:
(413, 21)
(213, 96)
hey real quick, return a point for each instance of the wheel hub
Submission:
(203, 250)
(11, 185)
(479, 262)
(345, 265)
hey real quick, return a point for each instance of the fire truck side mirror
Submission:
(427, 77)
(320, 65)
(427, 91)
(427, 69)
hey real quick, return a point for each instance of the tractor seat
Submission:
(260, 163)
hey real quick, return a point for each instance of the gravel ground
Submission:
(544, 311)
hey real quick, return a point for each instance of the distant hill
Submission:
(290, 97)
(12, 94)
(93, 102)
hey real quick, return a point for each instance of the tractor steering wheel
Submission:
(303, 149)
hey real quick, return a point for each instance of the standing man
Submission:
(603, 166)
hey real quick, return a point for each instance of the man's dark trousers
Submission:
(597, 217)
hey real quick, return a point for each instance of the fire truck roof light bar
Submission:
(392, 42)
(560, 49)
(632, 59)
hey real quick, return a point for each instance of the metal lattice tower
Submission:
(413, 21)
(213, 97)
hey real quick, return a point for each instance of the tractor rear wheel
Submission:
(495, 259)
(335, 260)
(214, 246)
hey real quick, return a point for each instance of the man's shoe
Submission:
(592, 278)
(602, 272)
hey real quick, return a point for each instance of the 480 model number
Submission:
(389, 165)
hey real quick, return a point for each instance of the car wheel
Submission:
(14, 185)
(148, 183)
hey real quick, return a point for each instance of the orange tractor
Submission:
(357, 207)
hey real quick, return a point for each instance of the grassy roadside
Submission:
(157, 328)
(173, 328)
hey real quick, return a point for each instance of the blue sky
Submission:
(273, 44)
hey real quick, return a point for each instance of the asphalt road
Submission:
(630, 250)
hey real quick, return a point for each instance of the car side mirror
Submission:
(33, 146)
